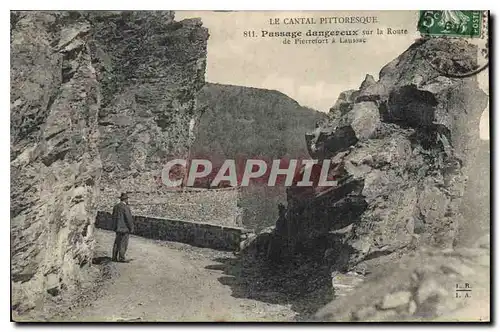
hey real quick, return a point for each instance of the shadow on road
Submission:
(101, 260)
(306, 286)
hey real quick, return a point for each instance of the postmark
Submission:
(456, 58)
(464, 52)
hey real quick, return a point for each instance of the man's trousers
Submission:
(120, 246)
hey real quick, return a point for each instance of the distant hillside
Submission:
(251, 122)
(241, 123)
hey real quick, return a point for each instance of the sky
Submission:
(313, 75)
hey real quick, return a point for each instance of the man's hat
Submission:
(123, 196)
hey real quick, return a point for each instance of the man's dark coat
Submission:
(123, 222)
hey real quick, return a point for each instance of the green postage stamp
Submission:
(453, 23)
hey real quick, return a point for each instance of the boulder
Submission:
(417, 287)
(345, 101)
(368, 82)
(360, 122)
(364, 119)
(374, 92)
(325, 142)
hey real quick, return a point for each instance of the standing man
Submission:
(123, 224)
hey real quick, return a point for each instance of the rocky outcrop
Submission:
(428, 285)
(436, 265)
(55, 164)
(401, 149)
(94, 96)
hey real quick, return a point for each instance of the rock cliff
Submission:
(406, 153)
(402, 149)
(94, 95)
(55, 164)
(149, 85)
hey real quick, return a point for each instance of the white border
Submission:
(195, 5)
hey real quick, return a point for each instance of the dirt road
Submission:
(168, 281)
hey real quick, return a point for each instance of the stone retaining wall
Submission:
(214, 206)
(196, 234)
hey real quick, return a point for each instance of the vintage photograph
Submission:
(250, 166)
